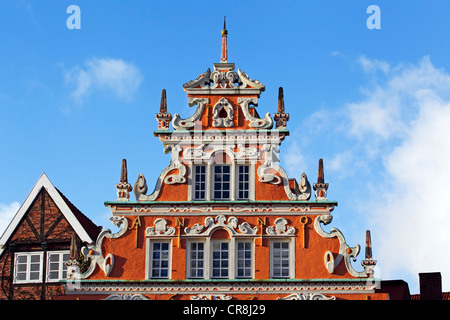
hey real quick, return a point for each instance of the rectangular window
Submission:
(200, 182)
(160, 260)
(220, 262)
(280, 259)
(244, 260)
(28, 267)
(222, 182)
(196, 259)
(56, 265)
(243, 182)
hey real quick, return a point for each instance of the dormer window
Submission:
(221, 182)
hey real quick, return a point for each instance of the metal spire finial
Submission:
(224, 50)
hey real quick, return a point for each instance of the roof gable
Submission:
(86, 230)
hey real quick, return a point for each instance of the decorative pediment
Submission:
(202, 81)
(280, 228)
(160, 229)
(223, 80)
(221, 222)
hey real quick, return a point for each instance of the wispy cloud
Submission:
(114, 76)
(28, 8)
(373, 65)
(7, 212)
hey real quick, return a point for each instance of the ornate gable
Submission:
(225, 209)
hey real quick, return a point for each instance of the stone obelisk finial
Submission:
(123, 187)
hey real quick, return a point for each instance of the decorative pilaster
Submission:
(281, 118)
(163, 117)
(320, 187)
(123, 188)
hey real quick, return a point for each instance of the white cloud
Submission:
(402, 126)
(416, 214)
(293, 160)
(373, 65)
(7, 212)
(115, 76)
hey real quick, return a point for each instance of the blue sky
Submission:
(374, 104)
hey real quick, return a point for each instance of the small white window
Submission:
(56, 265)
(200, 182)
(28, 267)
(243, 182)
(160, 258)
(196, 260)
(280, 259)
(220, 259)
(244, 259)
(222, 182)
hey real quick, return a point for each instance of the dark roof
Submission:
(89, 226)
(445, 296)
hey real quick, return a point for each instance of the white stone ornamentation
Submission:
(218, 121)
(160, 229)
(127, 296)
(280, 228)
(202, 81)
(211, 297)
(95, 252)
(271, 172)
(189, 123)
(140, 187)
(307, 296)
(257, 123)
(221, 222)
(345, 251)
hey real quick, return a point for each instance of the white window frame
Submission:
(290, 258)
(234, 181)
(28, 263)
(208, 258)
(221, 259)
(196, 183)
(149, 269)
(238, 260)
(62, 267)
(215, 182)
(197, 260)
(238, 182)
